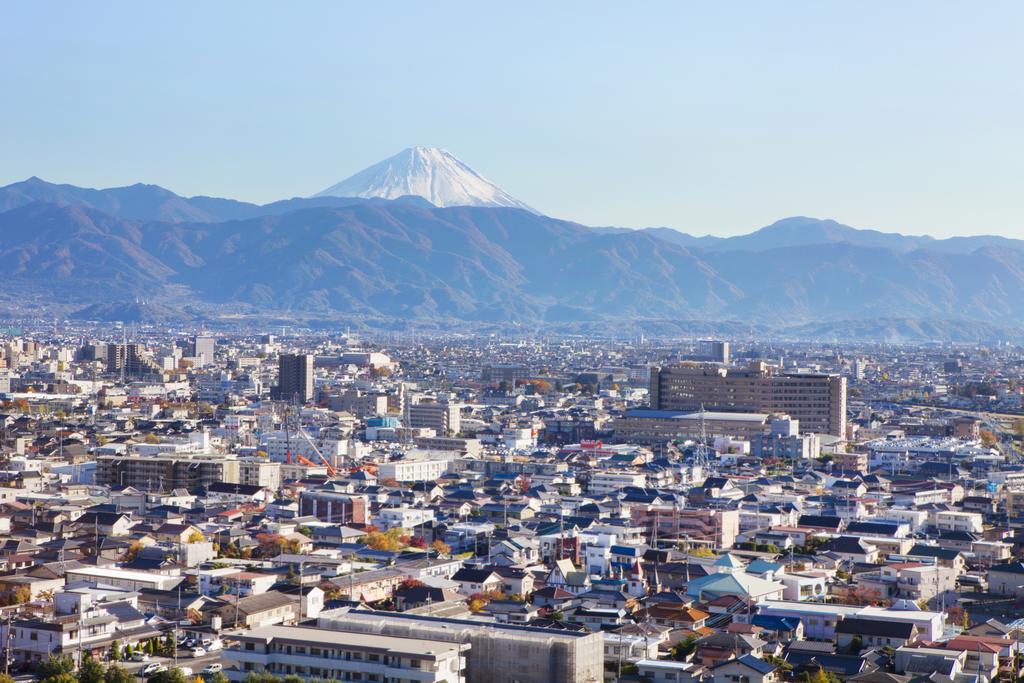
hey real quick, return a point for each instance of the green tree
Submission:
(115, 651)
(91, 671)
(117, 674)
(262, 677)
(684, 648)
(54, 666)
(169, 676)
(60, 678)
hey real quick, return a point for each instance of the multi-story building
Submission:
(510, 374)
(607, 482)
(260, 473)
(818, 401)
(130, 359)
(294, 378)
(202, 348)
(328, 505)
(784, 440)
(415, 469)
(359, 403)
(650, 427)
(693, 526)
(166, 471)
(313, 653)
(908, 581)
(498, 653)
(714, 350)
(443, 418)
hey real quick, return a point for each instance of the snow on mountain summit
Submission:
(428, 172)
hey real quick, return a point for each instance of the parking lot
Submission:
(184, 659)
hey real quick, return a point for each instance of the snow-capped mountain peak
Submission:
(428, 172)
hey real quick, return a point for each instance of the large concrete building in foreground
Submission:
(817, 400)
(315, 654)
(498, 653)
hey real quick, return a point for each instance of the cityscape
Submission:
(716, 375)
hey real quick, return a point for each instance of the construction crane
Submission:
(330, 468)
(331, 471)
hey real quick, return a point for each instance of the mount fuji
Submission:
(428, 172)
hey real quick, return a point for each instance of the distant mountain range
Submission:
(95, 252)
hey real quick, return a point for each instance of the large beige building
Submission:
(818, 401)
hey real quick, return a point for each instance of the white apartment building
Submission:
(313, 653)
(260, 472)
(820, 619)
(403, 517)
(953, 520)
(123, 578)
(412, 470)
(607, 482)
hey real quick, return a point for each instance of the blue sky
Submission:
(708, 117)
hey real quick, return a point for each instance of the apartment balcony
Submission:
(283, 664)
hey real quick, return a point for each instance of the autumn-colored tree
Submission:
(390, 540)
(270, 544)
(411, 583)
(18, 596)
(988, 439)
(861, 595)
(196, 537)
(441, 548)
(418, 542)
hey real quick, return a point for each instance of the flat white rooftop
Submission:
(354, 640)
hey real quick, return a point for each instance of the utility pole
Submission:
(302, 571)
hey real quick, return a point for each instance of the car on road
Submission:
(140, 656)
(213, 645)
(198, 652)
(214, 668)
(153, 669)
(186, 671)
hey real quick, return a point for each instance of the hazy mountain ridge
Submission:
(406, 259)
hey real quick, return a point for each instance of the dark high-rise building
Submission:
(294, 378)
(131, 359)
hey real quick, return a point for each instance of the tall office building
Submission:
(443, 418)
(294, 377)
(818, 401)
(714, 350)
(203, 349)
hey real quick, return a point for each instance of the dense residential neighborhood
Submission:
(310, 506)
